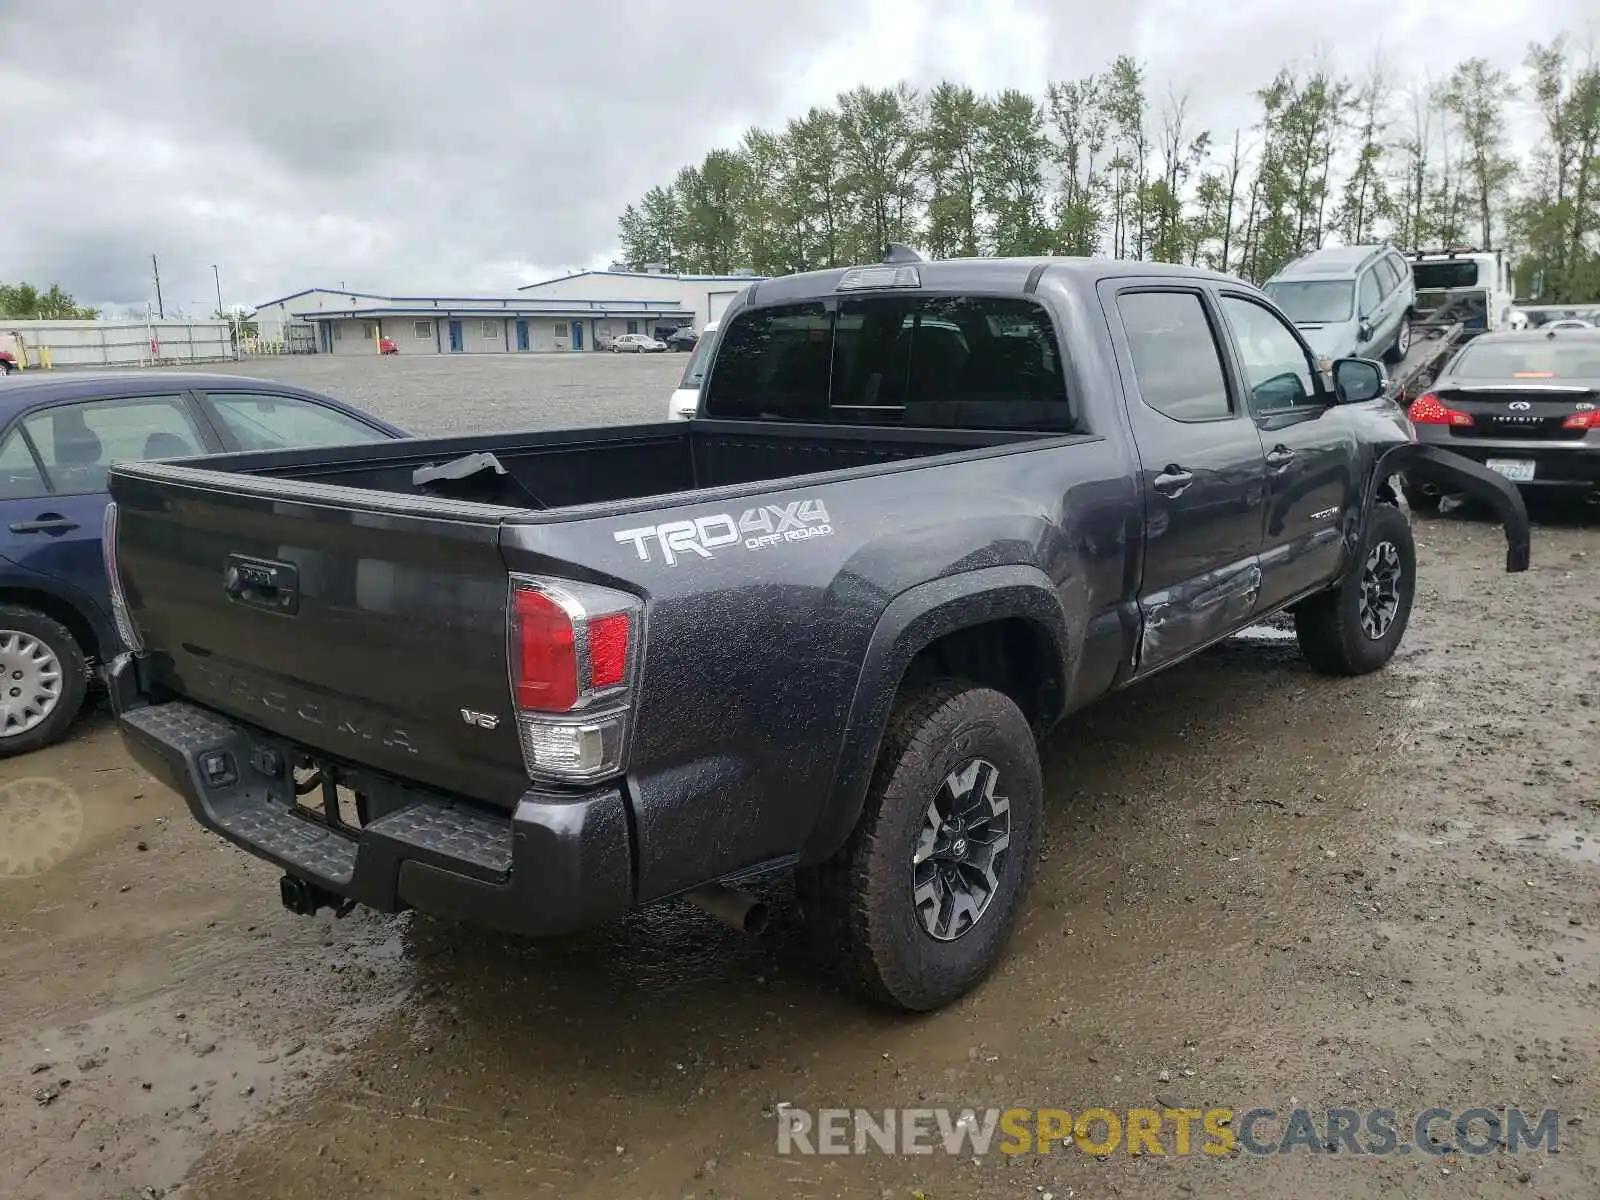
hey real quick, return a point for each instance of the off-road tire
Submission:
(858, 904)
(1329, 624)
(74, 677)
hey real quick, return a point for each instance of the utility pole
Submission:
(161, 312)
(218, 276)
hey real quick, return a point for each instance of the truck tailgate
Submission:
(359, 626)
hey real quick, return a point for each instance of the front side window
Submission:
(1175, 355)
(1276, 368)
(1313, 303)
(19, 474)
(262, 422)
(970, 362)
(79, 442)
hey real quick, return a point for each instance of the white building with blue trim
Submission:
(577, 312)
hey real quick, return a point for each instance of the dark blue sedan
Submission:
(58, 435)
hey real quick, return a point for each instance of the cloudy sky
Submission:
(467, 147)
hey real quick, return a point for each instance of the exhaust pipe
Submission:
(736, 909)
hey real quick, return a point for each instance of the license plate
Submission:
(1518, 470)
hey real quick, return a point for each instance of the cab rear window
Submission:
(1460, 273)
(953, 362)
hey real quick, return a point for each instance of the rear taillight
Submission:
(1428, 409)
(1583, 420)
(126, 629)
(573, 650)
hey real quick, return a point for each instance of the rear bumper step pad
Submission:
(556, 864)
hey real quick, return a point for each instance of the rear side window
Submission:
(1370, 293)
(962, 362)
(1388, 277)
(19, 474)
(79, 442)
(263, 422)
(1175, 355)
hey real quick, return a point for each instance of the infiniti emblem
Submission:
(1519, 406)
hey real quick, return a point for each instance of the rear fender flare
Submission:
(914, 620)
(1494, 489)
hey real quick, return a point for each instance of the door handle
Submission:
(1279, 457)
(1173, 480)
(48, 523)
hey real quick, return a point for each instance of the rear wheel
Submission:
(1402, 341)
(1356, 627)
(917, 906)
(42, 680)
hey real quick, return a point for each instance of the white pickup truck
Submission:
(1463, 284)
(686, 399)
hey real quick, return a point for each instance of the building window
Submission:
(633, 327)
(491, 329)
(366, 332)
(338, 332)
(561, 329)
(422, 330)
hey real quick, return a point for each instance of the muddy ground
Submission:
(1260, 888)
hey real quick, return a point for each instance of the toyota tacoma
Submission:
(924, 512)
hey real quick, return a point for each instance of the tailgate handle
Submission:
(262, 583)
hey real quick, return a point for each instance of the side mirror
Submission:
(1356, 380)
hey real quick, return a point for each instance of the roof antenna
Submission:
(899, 252)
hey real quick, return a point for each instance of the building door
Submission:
(522, 335)
(455, 337)
(325, 336)
(577, 335)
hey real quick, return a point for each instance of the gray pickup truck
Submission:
(925, 511)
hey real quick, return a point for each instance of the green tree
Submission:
(1124, 103)
(649, 232)
(957, 122)
(1080, 123)
(881, 147)
(25, 302)
(1476, 95)
(711, 196)
(1364, 200)
(1013, 154)
(1556, 221)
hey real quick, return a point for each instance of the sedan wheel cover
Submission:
(961, 851)
(1380, 590)
(30, 682)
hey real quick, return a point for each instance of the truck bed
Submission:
(572, 468)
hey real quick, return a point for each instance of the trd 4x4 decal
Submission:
(757, 528)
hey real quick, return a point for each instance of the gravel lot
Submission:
(1259, 887)
(462, 393)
